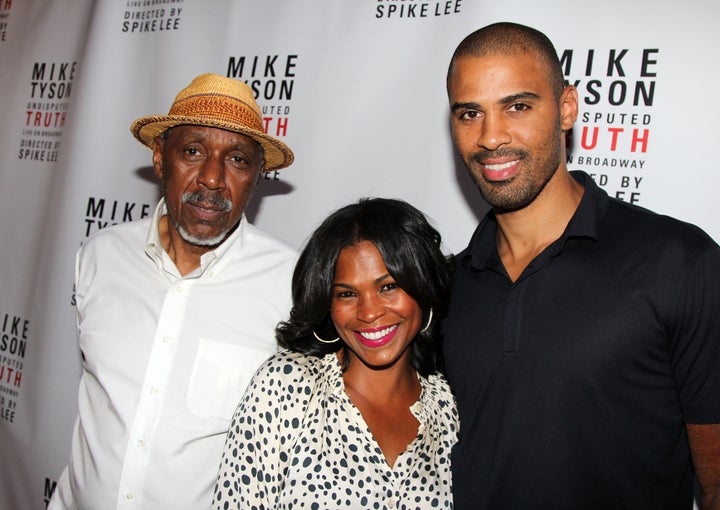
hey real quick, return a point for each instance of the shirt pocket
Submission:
(220, 374)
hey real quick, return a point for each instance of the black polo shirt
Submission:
(573, 382)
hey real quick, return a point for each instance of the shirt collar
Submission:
(154, 249)
(590, 214)
(429, 395)
(584, 224)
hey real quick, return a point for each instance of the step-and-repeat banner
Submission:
(355, 87)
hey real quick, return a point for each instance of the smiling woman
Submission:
(376, 319)
(355, 410)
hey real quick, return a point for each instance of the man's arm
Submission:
(705, 450)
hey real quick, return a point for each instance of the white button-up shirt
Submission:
(166, 359)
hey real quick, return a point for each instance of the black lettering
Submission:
(589, 63)
(62, 71)
(95, 210)
(270, 66)
(38, 72)
(127, 214)
(614, 98)
(49, 487)
(647, 62)
(566, 62)
(290, 64)
(648, 95)
(235, 67)
(614, 63)
(286, 89)
(15, 327)
(594, 94)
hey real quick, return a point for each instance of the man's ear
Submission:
(157, 156)
(568, 107)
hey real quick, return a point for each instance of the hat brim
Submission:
(277, 154)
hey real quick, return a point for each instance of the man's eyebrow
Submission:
(464, 106)
(519, 96)
(471, 105)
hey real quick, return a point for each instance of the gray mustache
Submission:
(208, 197)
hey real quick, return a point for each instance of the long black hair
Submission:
(411, 250)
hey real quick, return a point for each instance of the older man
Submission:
(176, 312)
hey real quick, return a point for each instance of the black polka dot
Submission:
(297, 441)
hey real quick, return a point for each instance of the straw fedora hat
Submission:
(216, 101)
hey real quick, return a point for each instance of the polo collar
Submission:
(586, 224)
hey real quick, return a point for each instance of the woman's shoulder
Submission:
(286, 368)
(437, 385)
(289, 381)
(438, 397)
(286, 364)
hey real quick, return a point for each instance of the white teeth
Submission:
(377, 335)
(501, 166)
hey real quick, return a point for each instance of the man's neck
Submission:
(525, 233)
(185, 256)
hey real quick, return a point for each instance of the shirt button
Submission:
(178, 289)
(129, 495)
(391, 503)
(167, 339)
(140, 443)
(154, 391)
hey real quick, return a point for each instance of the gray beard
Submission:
(197, 241)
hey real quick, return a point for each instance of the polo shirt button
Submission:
(129, 495)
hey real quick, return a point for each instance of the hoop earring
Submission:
(430, 317)
(325, 341)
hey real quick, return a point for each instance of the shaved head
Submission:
(513, 39)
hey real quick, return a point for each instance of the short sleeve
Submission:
(695, 348)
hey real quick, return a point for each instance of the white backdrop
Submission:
(355, 87)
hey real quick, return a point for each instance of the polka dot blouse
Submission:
(297, 441)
